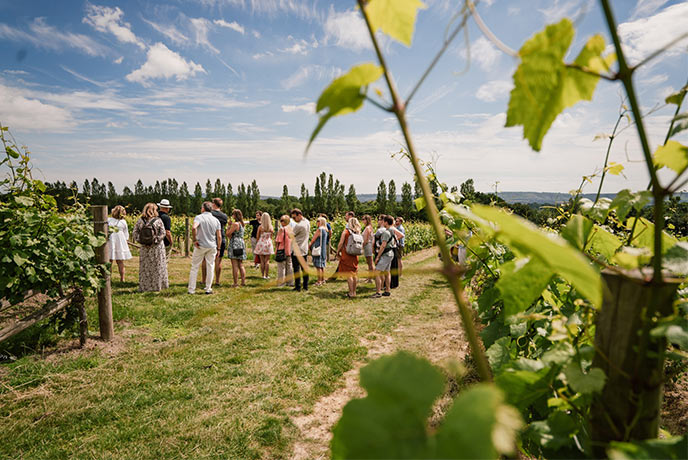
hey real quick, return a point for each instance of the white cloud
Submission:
(264, 55)
(647, 7)
(82, 77)
(247, 128)
(559, 9)
(109, 20)
(305, 9)
(118, 60)
(46, 36)
(313, 71)
(494, 90)
(308, 107)
(164, 63)
(200, 28)
(483, 53)
(299, 46)
(256, 34)
(169, 31)
(230, 25)
(24, 113)
(346, 29)
(643, 36)
(15, 72)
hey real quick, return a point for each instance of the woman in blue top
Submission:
(318, 247)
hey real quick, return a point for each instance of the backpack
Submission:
(147, 236)
(354, 246)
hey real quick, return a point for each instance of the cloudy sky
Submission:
(196, 89)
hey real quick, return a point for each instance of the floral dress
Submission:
(237, 242)
(264, 245)
(152, 261)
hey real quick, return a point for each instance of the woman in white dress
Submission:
(119, 239)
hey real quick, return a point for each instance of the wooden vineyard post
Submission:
(630, 403)
(186, 237)
(105, 322)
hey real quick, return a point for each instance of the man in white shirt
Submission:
(302, 233)
(207, 239)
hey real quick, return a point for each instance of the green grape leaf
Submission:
(676, 332)
(577, 230)
(672, 155)
(615, 169)
(592, 382)
(626, 200)
(677, 97)
(523, 388)
(420, 203)
(521, 283)
(498, 354)
(391, 421)
(604, 243)
(84, 252)
(676, 259)
(24, 200)
(644, 235)
(550, 249)
(345, 94)
(671, 448)
(544, 86)
(396, 18)
(478, 425)
(680, 124)
(19, 260)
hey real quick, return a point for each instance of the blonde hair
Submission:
(150, 210)
(266, 223)
(285, 219)
(118, 212)
(355, 225)
(321, 221)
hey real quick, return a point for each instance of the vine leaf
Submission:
(544, 85)
(643, 235)
(396, 18)
(626, 200)
(521, 283)
(680, 124)
(392, 420)
(673, 155)
(592, 382)
(677, 97)
(345, 94)
(671, 448)
(551, 250)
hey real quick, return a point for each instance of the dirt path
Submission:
(438, 338)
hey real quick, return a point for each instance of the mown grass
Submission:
(198, 376)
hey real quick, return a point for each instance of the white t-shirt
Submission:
(206, 232)
(302, 231)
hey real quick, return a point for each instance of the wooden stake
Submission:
(78, 301)
(105, 322)
(630, 403)
(186, 237)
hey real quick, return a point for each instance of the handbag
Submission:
(280, 255)
(238, 252)
(315, 252)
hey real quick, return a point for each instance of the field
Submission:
(258, 372)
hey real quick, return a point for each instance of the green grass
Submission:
(199, 376)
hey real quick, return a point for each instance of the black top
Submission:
(222, 217)
(167, 222)
(255, 223)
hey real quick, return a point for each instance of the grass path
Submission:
(247, 373)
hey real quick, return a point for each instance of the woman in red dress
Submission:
(348, 264)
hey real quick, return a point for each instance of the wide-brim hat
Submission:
(165, 204)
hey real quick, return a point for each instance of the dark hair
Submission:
(238, 216)
(350, 213)
(207, 206)
(296, 211)
(401, 219)
(217, 202)
(322, 214)
(389, 220)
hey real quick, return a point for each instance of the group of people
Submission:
(214, 233)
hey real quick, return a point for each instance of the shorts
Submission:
(223, 246)
(400, 251)
(254, 240)
(385, 262)
(368, 250)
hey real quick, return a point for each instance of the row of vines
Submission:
(579, 320)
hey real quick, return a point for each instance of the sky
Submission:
(197, 89)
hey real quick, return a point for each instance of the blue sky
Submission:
(197, 89)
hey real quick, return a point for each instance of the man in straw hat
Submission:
(164, 208)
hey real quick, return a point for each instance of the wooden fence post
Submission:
(78, 302)
(186, 237)
(107, 331)
(630, 404)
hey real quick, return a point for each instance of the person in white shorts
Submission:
(383, 259)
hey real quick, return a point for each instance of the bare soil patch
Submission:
(675, 406)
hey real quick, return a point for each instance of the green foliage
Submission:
(672, 448)
(345, 94)
(673, 155)
(44, 250)
(544, 85)
(391, 421)
(396, 18)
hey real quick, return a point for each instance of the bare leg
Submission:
(371, 267)
(120, 266)
(235, 270)
(218, 269)
(388, 281)
(242, 271)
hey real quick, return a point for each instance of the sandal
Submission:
(377, 295)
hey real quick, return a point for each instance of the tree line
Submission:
(329, 196)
